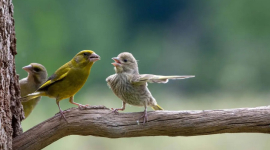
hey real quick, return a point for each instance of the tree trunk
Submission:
(10, 106)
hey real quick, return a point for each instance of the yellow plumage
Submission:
(157, 107)
(68, 79)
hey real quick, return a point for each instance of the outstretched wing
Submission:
(60, 74)
(157, 78)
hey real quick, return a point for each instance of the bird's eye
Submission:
(85, 54)
(125, 60)
(36, 69)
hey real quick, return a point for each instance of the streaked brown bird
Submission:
(67, 80)
(131, 87)
(37, 75)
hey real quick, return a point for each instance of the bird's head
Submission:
(85, 57)
(37, 71)
(125, 62)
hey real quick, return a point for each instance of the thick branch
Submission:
(104, 123)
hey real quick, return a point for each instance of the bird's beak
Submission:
(94, 57)
(117, 62)
(27, 68)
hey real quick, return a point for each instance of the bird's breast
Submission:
(126, 91)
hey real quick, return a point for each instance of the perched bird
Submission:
(37, 75)
(67, 80)
(131, 87)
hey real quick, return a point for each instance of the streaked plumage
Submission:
(131, 87)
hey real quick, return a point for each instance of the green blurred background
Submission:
(224, 43)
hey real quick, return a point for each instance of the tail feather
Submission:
(157, 107)
(32, 96)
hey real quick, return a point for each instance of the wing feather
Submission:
(157, 78)
(60, 74)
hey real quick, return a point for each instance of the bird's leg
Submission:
(144, 116)
(117, 109)
(60, 111)
(79, 105)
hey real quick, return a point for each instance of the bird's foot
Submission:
(115, 110)
(144, 116)
(62, 114)
(80, 106)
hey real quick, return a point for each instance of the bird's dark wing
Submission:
(60, 74)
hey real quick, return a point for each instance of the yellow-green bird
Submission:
(37, 75)
(68, 79)
(131, 87)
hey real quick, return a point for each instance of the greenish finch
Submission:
(37, 75)
(131, 87)
(67, 80)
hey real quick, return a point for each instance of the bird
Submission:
(37, 75)
(131, 87)
(67, 80)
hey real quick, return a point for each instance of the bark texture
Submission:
(10, 106)
(104, 123)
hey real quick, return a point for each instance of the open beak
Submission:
(117, 62)
(94, 57)
(27, 68)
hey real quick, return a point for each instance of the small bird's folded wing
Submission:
(157, 78)
(109, 80)
(60, 74)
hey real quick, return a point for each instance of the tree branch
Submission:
(104, 123)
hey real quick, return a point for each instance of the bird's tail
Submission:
(32, 96)
(157, 107)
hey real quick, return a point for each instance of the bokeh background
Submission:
(224, 43)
